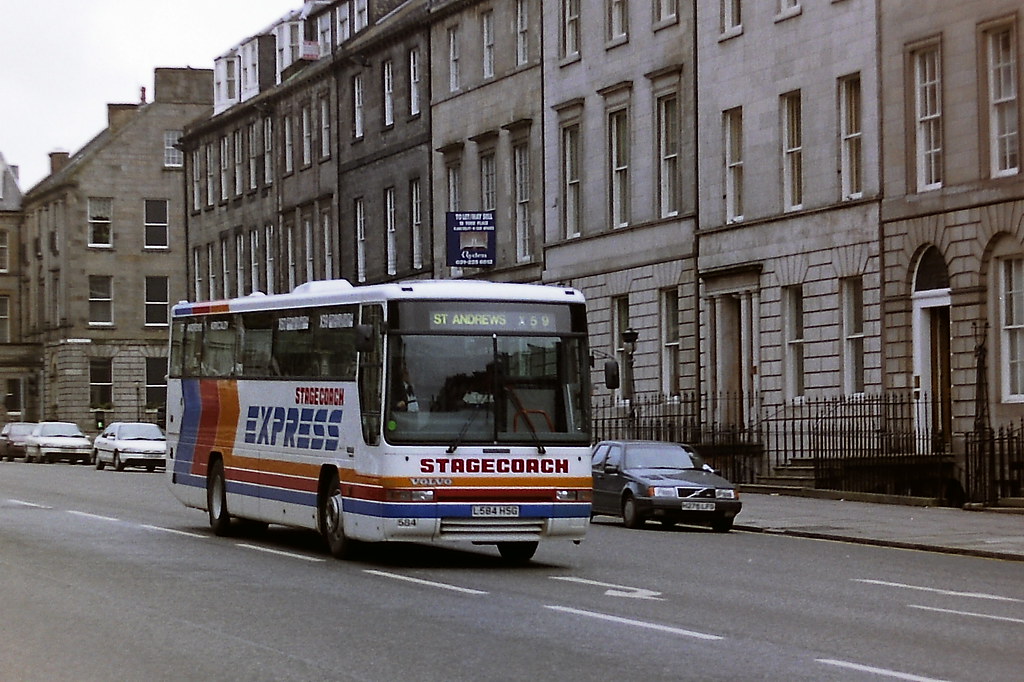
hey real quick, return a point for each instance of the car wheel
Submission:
(217, 499)
(99, 462)
(118, 464)
(517, 553)
(332, 522)
(631, 517)
(722, 525)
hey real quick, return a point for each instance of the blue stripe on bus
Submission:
(392, 510)
(189, 423)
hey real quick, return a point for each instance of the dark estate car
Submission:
(641, 480)
(12, 440)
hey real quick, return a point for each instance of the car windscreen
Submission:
(140, 432)
(60, 430)
(658, 456)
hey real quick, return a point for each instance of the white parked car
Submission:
(130, 444)
(54, 441)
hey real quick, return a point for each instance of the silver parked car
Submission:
(54, 441)
(124, 444)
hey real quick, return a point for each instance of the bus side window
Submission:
(293, 345)
(177, 360)
(257, 344)
(192, 360)
(335, 343)
(220, 352)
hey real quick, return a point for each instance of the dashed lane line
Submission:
(936, 590)
(428, 583)
(635, 623)
(894, 674)
(1005, 619)
(279, 552)
(93, 516)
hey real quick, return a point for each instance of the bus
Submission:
(421, 411)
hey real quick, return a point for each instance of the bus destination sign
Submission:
(499, 318)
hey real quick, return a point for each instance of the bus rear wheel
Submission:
(217, 499)
(332, 524)
(517, 552)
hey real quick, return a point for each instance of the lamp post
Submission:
(629, 337)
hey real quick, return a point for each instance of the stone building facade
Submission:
(486, 131)
(105, 244)
(320, 169)
(952, 233)
(19, 362)
(742, 184)
(619, 180)
(789, 188)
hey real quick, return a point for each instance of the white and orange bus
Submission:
(415, 411)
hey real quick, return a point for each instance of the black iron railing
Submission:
(994, 467)
(889, 444)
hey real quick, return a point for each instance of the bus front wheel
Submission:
(217, 499)
(332, 525)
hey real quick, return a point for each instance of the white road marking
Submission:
(877, 671)
(614, 590)
(175, 531)
(23, 503)
(420, 581)
(950, 593)
(636, 623)
(92, 516)
(279, 552)
(1006, 619)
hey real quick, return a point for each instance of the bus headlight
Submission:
(573, 495)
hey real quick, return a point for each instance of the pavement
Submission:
(974, 532)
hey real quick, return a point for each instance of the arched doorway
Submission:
(931, 353)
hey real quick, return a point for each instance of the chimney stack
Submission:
(119, 114)
(58, 159)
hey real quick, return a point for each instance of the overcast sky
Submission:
(63, 61)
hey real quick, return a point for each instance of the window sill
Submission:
(789, 13)
(568, 59)
(612, 43)
(730, 33)
(665, 23)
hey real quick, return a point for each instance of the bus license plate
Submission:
(495, 510)
(698, 506)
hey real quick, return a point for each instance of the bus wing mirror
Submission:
(364, 338)
(611, 374)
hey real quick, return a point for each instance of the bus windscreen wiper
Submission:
(521, 410)
(462, 432)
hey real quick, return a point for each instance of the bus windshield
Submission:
(507, 389)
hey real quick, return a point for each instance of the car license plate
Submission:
(495, 510)
(698, 506)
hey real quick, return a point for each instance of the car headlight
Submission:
(661, 491)
(726, 494)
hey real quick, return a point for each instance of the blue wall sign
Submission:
(471, 242)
